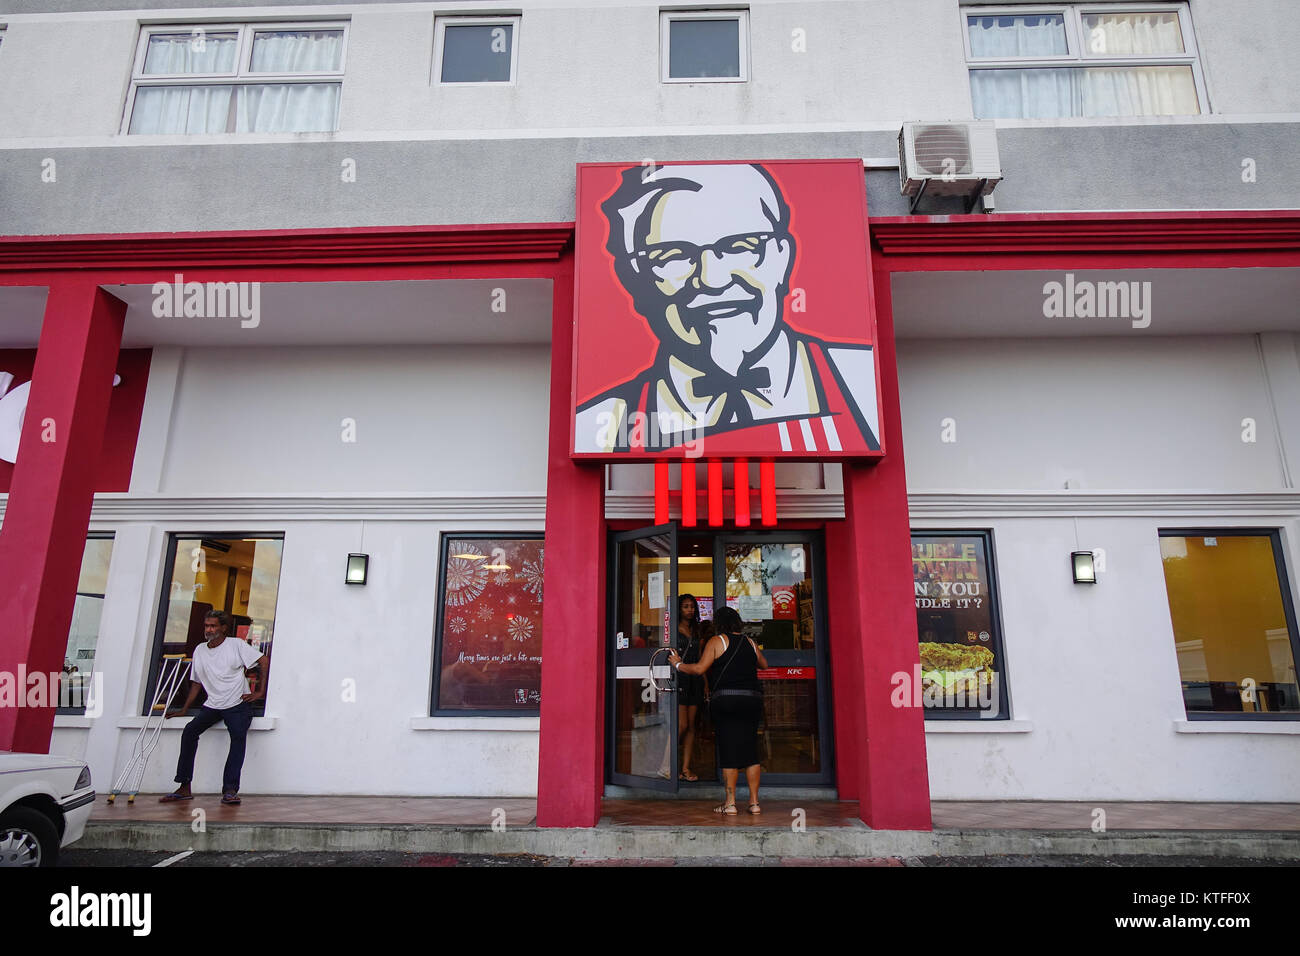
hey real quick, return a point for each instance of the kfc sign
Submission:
(724, 309)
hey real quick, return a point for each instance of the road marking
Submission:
(172, 859)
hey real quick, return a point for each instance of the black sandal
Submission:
(231, 799)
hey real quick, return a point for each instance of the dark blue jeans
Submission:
(238, 719)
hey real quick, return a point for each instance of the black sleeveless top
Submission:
(738, 666)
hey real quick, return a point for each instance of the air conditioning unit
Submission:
(948, 159)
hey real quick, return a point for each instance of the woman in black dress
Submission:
(735, 702)
(690, 689)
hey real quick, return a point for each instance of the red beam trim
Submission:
(740, 471)
(1217, 231)
(767, 491)
(360, 246)
(715, 493)
(690, 514)
(661, 492)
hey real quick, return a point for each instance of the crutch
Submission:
(175, 669)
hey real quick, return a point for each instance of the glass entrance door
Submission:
(774, 583)
(643, 620)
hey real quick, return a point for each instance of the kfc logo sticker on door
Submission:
(724, 309)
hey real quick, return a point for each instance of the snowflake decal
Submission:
(521, 629)
(466, 577)
(503, 578)
(457, 625)
(532, 577)
(484, 613)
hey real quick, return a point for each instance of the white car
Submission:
(45, 801)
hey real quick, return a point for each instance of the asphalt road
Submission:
(73, 857)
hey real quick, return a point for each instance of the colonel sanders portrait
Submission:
(706, 253)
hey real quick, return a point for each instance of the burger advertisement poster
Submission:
(954, 621)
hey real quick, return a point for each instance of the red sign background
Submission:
(828, 221)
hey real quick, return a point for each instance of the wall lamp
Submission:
(358, 565)
(1085, 572)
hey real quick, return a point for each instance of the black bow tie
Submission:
(719, 383)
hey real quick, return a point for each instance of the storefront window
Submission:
(956, 620)
(1234, 627)
(240, 575)
(488, 645)
(77, 680)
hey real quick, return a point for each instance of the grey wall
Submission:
(588, 91)
(298, 185)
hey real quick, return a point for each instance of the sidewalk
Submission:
(688, 829)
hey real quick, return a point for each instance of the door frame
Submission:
(821, 643)
(613, 570)
(821, 650)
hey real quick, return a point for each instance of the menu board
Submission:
(954, 618)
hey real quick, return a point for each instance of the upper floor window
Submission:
(706, 45)
(1082, 60)
(251, 78)
(476, 49)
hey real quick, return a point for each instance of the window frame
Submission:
(1274, 535)
(164, 601)
(90, 536)
(440, 24)
(995, 622)
(666, 18)
(440, 614)
(242, 75)
(1077, 57)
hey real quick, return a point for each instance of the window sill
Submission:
(1237, 726)
(521, 724)
(178, 723)
(978, 726)
(73, 720)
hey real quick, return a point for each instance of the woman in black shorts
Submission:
(690, 690)
(735, 702)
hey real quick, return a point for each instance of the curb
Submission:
(610, 842)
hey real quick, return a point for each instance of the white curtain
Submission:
(258, 108)
(1053, 92)
(305, 52)
(1091, 91)
(1131, 34)
(287, 108)
(189, 54)
(1021, 36)
(181, 109)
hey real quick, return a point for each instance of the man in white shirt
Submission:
(219, 666)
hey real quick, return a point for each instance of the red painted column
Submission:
(570, 760)
(893, 786)
(53, 487)
(845, 628)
